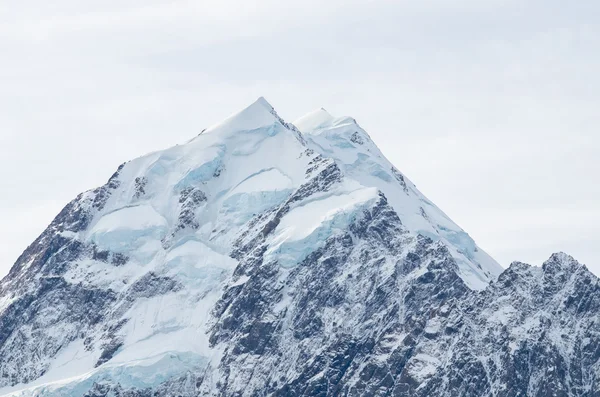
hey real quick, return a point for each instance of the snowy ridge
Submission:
(352, 148)
(269, 258)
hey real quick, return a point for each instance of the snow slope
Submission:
(360, 159)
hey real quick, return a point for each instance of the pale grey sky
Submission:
(490, 107)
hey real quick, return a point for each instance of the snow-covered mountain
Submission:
(268, 258)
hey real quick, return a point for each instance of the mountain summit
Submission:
(257, 115)
(268, 258)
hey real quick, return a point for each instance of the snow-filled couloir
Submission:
(266, 258)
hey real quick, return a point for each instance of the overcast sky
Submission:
(491, 107)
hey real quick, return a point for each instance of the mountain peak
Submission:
(257, 115)
(261, 101)
(319, 118)
(258, 260)
(561, 262)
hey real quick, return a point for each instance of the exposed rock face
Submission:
(260, 260)
(534, 332)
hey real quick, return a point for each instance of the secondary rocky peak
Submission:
(561, 262)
